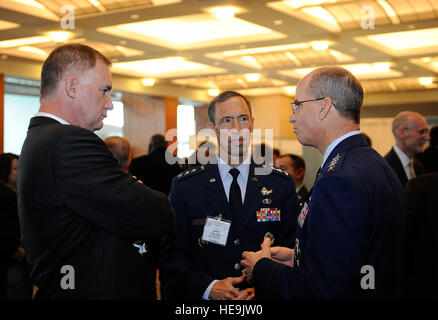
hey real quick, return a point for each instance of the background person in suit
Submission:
(411, 132)
(121, 150)
(153, 168)
(351, 223)
(80, 213)
(421, 239)
(296, 167)
(231, 190)
(429, 158)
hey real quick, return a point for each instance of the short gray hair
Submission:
(342, 87)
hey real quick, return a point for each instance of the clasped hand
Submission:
(279, 254)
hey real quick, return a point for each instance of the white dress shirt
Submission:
(49, 115)
(405, 161)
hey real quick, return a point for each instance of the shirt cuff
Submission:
(206, 295)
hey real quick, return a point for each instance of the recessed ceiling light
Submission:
(148, 82)
(278, 22)
(59, 36)
(226, 12)
(252, 77)
(425, 81)
(134, 16)
(213, 92)
(320, 45)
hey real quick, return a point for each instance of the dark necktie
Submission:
(235, 195)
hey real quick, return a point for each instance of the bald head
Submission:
(410, 131)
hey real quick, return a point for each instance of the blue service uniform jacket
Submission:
(354, 221)
(198, 193)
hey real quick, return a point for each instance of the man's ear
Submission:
(72, 86)
(325, 107)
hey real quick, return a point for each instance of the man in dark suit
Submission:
(411, 132)
(85, 222)
(421, 240)
(296, 167)
(153, 168)
(350, 225)
(429, 157)
(227, 207)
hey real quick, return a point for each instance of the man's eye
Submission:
(243, 118)
(226, 120)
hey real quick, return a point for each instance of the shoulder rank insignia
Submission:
(334, 162)
(190, 172)
(280, 172)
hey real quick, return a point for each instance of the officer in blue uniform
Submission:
(349, 236)
(219, 216)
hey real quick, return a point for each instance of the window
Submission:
(186, 128)
(18, 111)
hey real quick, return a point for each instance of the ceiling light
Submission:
(193, 31)
(321, 14)
(290, 90)
(97, 5)
(425, 81)
(164, 68)
(213, 92)
(32, 3)
(148, 82)
(302, 3)
(389, 11)
(23, 41)
(427, 59)
(224, 12)
(33, 50)
(403, 43)
(59, 36)
(252, 77)
(320, 45)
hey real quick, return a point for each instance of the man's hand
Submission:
(251, 258)
(247, 294)
(283, 255)
(224, 289)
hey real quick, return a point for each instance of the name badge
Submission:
(216, 230)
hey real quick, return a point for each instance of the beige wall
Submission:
(144, 117)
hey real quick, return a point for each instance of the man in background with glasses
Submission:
(349, 235)
(411, 132)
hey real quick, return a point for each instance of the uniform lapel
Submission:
(216, 196)
(252, 200)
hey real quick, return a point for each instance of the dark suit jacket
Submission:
(199, 192)
(354, 220)
(301, 195)
(77, 207)
(154, 171)
(9, 233)
(421, 243)
(394, 162)
(429, 158)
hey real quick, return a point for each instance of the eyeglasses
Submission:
(422, 131)
(296, 105)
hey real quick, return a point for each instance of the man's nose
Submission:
(236, 124)
(109, 103)
(292, 118)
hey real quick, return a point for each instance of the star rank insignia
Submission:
(334, 162)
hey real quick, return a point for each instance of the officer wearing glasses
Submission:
(411, 132)
(349, 235)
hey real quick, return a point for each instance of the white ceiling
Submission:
(388, 44)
